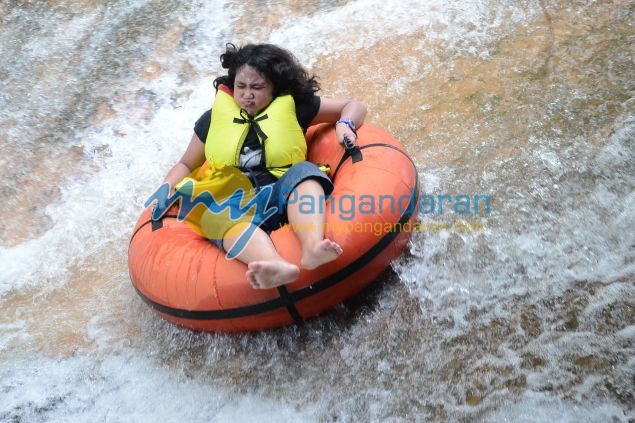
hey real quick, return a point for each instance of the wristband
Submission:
(348, 123)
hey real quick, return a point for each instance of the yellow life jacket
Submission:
(277, 128)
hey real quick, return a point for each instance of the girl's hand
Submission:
(345, 130)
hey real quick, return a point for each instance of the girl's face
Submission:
(252, 91)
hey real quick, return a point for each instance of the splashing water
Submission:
(526, 314)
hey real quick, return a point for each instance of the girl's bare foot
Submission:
(271, 273)
(322, 252)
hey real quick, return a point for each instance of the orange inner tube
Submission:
(190, 282)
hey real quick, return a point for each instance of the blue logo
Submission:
(231, 207)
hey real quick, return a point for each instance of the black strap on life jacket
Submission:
(245, 118)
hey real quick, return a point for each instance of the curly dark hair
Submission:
(278, 65)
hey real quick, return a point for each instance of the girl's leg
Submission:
(265, 267)
(316, 250)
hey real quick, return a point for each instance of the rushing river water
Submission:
(530, 320)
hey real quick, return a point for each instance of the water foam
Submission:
(461, 299)
(124, 387)
(462, 27)
(131, 157)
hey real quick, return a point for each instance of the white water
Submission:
(532, 320)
